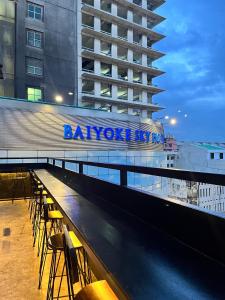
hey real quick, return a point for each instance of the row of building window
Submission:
(171, 157)
(106, 49)
(36, 11)
(122, 32)
(220, 155)
(35, 67)
(122, 12)
(170, 165)
(219, 190)
(34, 38)
(121, 109)
(88, 87)
(36, 94)
(216, 207)
(106, 70)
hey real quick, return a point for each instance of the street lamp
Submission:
(173, 121)
(167, 120)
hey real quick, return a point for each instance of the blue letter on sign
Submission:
(128, 134)
(108, 133)
(162, 139)
(119, 136)
(78, 133)
(88, 132)
(68, 132)
(98, 131)
(155, 138)
(147, 133)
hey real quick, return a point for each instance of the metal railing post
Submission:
(81, 168)
(63, 164)
(123, 177)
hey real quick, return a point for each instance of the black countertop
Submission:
(148, 263)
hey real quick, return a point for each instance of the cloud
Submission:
(194, 66)
(212, 96)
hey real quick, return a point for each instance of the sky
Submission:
(195, 69)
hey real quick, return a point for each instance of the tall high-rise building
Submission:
(90, 53)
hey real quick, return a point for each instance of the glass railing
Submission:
(203, 190)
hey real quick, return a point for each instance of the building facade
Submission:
(33, 126)
(199, 157)
(90, 53)
(170, 144)
(116, 70)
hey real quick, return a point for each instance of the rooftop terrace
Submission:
(143, 245)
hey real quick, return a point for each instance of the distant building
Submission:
(199, 156)
(203, 157)
(170, 144)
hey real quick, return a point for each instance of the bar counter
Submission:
(148, 263)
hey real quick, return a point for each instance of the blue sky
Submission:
(195, 68)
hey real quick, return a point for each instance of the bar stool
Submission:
(55, 218)
(38, 212)
(99, 290)
(84, 272)
(72, 263)
(33, 186)
(37, 188)
(34, 183)
(76, 269)
(49, 202)
(56, 244)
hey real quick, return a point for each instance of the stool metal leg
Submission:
(44, 252)
(53, 274)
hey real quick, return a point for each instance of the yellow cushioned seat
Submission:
(75, 241)
(97, 291)
(55, 214)
(49, 201)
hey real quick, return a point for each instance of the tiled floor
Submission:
(18, 259)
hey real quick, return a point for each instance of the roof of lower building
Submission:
(211, 146)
